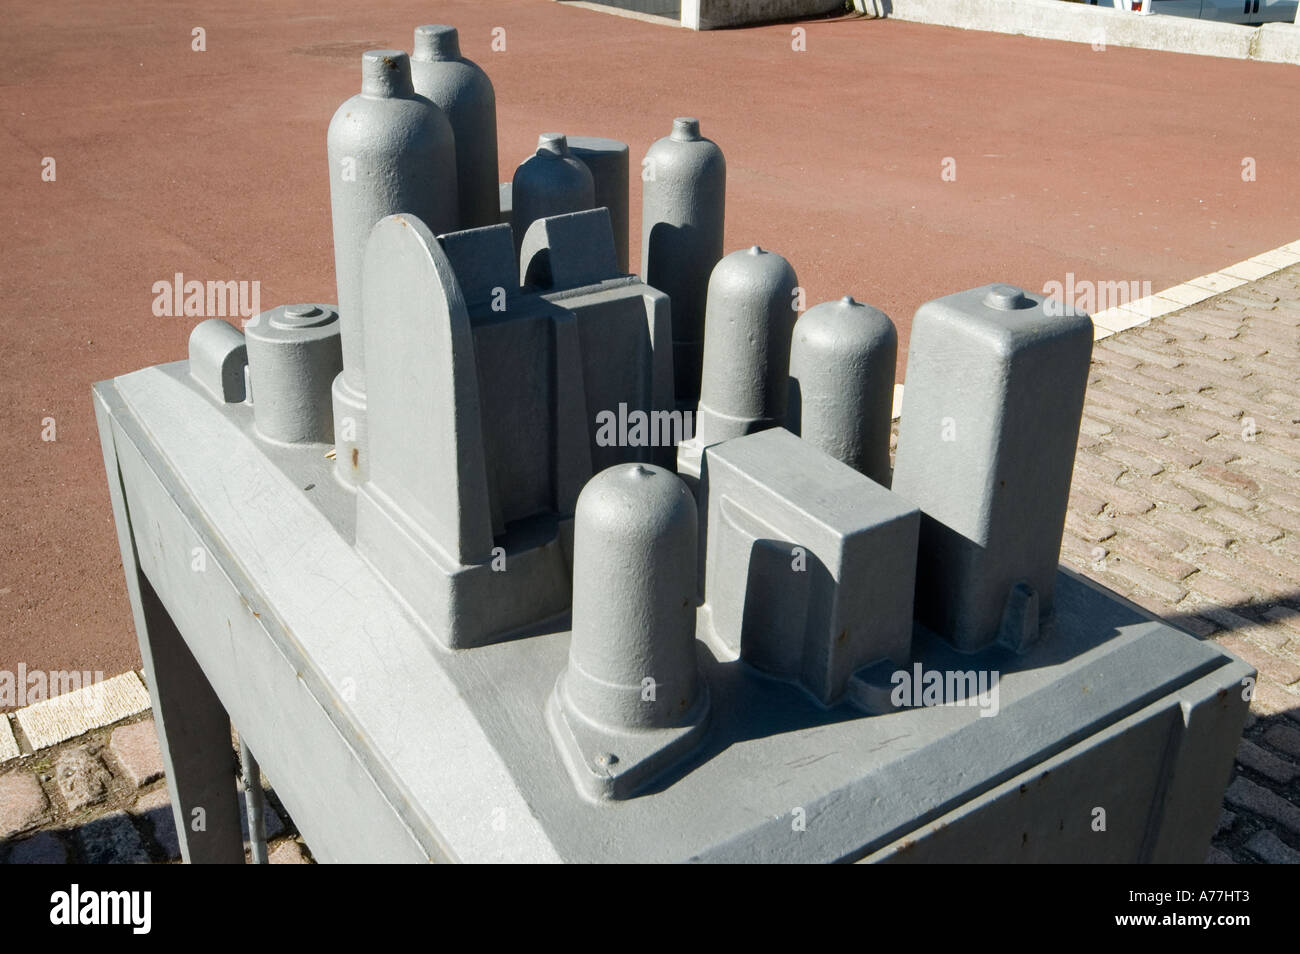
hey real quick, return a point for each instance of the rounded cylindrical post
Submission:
(463, 91)
(683, 189)
(549, 182)
(750, 318)
(842, 360)
(607, 160)
(390, 151)
(632, 658)
(294, 354)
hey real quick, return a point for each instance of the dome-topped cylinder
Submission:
(463, 91)
(632, 659)
(683, 204)
(842, 361)
(549, 182)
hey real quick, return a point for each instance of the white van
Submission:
(1225, 11)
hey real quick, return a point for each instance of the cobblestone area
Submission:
(1186, 500)
(102, 798)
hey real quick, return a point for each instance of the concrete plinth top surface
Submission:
(1112, 165)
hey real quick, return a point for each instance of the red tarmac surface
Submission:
(1119, 165)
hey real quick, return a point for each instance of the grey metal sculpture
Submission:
(549, 182)
(683, 207)
(509, 613)
(390, 150)
(464, 93)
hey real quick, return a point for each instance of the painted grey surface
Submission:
(630, 701)
(842, 361)
(549, 182)
(607, 160)
(218, 358)
(294, 355)
(569, 251)
(810, 565)
(439, 647)
(683, 206)
(986, 444)
(390, 150)
(748, 322)
(300, 638)
(461, 89)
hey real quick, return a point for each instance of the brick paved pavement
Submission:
(102, 798)
(1186, 500)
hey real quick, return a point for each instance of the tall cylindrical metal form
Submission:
(750, 319)
(632, 661)
(842, 361)
(607, 160)
(683, 188)
(390, 150)
(294, 355)
(463, 91)
(549, 182)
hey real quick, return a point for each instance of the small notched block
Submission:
(218, 357)
(484, 262)
(569, 251)
(809, 567)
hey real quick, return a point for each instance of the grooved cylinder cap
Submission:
(552, 144)
(386, 73)
(436, 42)
(686, 129)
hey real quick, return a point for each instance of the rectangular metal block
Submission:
(809, 564)
(986, 445)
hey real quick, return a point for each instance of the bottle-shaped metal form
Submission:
(390, 150)
(842, 363)
(607, 160)
(683, 188)
(549, 182)
(463, 91)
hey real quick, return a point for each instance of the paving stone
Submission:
(137, 751)
(111, 839)
(1217, 856)
(1243, 525)
(76, 713)
(1117, 498)
(1167, 492)
(1085, 503)
(1111, 347)
(1108, 399)
(1133, 382)
(43, 848)
(1100, 467)
(1169, 592)
(1266, 846)
(286, 853)
(1090, 529)
(1229, 478)
(1266, 763)
(1196, 528)
(1284, 739)
(1208, 490)
(1168, 454)
(22, 801)
(1226, 821)
(1127, 422)
(82, 777)
(155, 809)
(1285, 616)
(1281, 671)
(8, 744)
(1232, 567)
(1219, 591)
(1135, 461)
(1139, 553)
(1270, 700)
